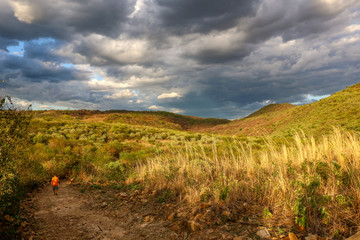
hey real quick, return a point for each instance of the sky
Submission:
(205, 58)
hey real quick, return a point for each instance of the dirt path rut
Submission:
(92, 215)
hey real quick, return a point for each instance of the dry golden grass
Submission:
(315, 181)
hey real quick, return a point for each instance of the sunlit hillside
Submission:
(143, 118)
(340, 109)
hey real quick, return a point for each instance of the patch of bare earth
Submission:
(100, 212)
(75, 215)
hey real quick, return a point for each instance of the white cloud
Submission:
(138, 6)
(154, 107)
(169, 95)
(120, 95)
(105, 85)
(177, 110)
(103, 50)
(24, 11)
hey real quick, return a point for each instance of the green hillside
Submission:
(159, 119)
(271, 109)
(340, 109)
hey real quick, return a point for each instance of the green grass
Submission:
(341, 109)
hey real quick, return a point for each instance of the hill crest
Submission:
(341, 109)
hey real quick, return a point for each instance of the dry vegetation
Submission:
(314, 182)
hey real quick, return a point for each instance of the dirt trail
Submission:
(92, 215)
(107, 212)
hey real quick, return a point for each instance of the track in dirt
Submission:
(109, 213)
(74, 215)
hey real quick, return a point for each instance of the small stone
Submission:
(197, 216)
(174, 235)
(123, 194)
(226, 213)
(8, 218)
(194, 226)
(149, 219)
(311, 237)
(292, 236)
(171, 216)
(263, 233)
(24, 224)
(210, 231)
(238, 238)
(356, 236)
(205, 205)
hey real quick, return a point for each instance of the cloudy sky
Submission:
(205, 58)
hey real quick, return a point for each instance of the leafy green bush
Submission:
(115, 171)
(13, 140)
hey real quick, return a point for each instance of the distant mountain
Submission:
(340, 109)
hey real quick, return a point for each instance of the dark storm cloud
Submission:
(102, 17)
(14, 67)
(205, 58)
(4, 43)
(290, 19)
(26, 20)
(211, 55)
(293, 19)
(12, 28)
(44, 50)
(184, 16)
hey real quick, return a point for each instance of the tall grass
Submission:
(315, 182)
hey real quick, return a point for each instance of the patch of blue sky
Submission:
(97, 77)
(17, 50)
(316, 98)
(68, 65)
(310, 98)
(43, 40)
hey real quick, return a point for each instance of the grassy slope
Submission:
(143, 118)
(340, 109)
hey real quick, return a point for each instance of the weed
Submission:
(95, 186)
(166, 196)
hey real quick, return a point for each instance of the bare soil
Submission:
(90, 215)
(100, 212)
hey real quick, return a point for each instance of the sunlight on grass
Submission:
(312, 180)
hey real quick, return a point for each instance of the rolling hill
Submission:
(340, 109)
(159, 119)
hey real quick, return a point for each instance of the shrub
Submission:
(13, 140)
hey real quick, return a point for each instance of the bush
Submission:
(13, 139)
(115, 171)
